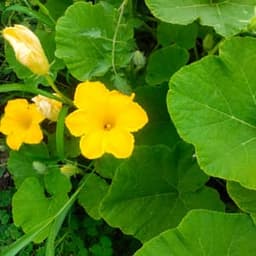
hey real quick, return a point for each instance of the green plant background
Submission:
(189, 187)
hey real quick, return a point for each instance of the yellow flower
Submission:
(50, 108)
(20, 123)
(104, 120)
(27, 48)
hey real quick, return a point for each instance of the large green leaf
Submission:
(31, 207)
(243, 197)
(227, 17)
(204, 232)
(154, 189)
(213, 105)
(85, 39)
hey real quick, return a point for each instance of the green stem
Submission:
(215, 48)
(57, 91)
(60, 133)
(122, 6)
(25, 88)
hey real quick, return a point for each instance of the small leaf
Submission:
(20, 163)
(163, 63)
(154, 189)
(57, 7)
(92, 194)
(31, 206)
(184, 36)
(203, 232)
(159, 129)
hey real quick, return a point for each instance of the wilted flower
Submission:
(27, 48)
(104, 120)
(20, 123)
(50, 108)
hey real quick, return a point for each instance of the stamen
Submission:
(107, 126)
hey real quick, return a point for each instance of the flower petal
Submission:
(132, 118)
(14, 141)
(90, 95)
(34, 135)
(35, 113)
(91, 145)
(16, 106)
(80, 122)
(119, 143)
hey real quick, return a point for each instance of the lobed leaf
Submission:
(213, 105)
(85, 41)
(154, 189)
(226, 17)
(203, 232)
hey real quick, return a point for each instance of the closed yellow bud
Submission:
(27, 48)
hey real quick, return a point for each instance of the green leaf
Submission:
(203, 232)
(163, 63)
(184, 36)
(85, 41)
(154, 189)
(21, 164)
(57, 7)
(227, 17)
(106, 165)
(56, 182)
(213, 105)
(159, 129)
(243, 197)
(28, 11)
(92, 194)
(31, 206)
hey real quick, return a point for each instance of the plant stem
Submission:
(121, 8)
(57, 91)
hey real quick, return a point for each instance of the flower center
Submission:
(25, 122)
(108, 126)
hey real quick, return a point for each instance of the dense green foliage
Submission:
(189, 187)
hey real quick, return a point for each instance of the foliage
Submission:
(186, 184)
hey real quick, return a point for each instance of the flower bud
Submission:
(27, 48)
(252, 24)
(69, 170)
(208, 42)
(39, 167)
(49, 108)
(139, 59)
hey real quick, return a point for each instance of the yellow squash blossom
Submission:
(50, 108)
(20, 123)
(27, 48)
(104, 120)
